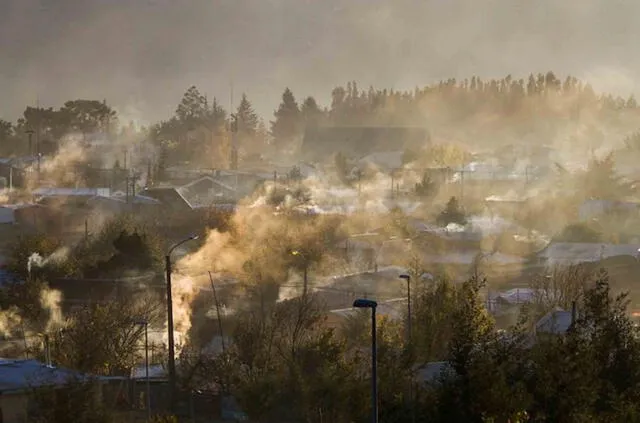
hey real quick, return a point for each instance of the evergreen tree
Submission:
(247, 118)
(193, 107)
(311, 113)
(217, 116)
(452, 213)
(286, 125)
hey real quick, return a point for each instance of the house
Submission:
(24, 214)
(339, 292)
(208, 191)
(564, 253)
(52, 195)
(169, 197)
(556, 322)
(20, 378)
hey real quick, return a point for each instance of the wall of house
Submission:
(14, 408)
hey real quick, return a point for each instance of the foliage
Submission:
(286, 126)
(427, 187)
(311, 114)
(45, 246)
(26, 298)
(453, 213)
(600, 180)
(124, 244)
(104, 339)
(559, 288)
(444, 155)
(247, 118)
(78, 399)
(433, 311)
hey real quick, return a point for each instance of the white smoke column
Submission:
(56, 169)
(36, 260)
(183, 290)
(9, 320)
(50, 300)
(216, 253)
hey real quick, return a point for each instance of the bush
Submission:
(453, 213)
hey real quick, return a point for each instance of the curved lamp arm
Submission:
(191, 238)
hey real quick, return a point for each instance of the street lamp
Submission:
(408, 279)
(146, 363)
(408, 335)
(172, 348)
(363, 303)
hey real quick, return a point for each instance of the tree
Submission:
(86, 116)
(452, 213)
(247, 119)
(77, 397)
(312, 115)
(286, 126)
(488, 383)
(6, 131)
(193, 107)
(104, 339)
(427, 187)
(287, 366)
(600, 180)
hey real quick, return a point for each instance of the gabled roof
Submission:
(208, 179)
(555, 322)
(21, 375)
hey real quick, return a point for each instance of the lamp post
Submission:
(172, 348)
(408, 340)
(408, 279)
(146, 364)
(363, 303)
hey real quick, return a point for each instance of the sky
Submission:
(141, 55)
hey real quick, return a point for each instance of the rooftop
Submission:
(21, 375)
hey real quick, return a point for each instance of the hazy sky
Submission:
(141, 55)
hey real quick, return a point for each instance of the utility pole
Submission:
(215, 299)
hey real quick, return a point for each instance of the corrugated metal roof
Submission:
(21, 375)
(69, 192)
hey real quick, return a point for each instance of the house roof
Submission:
(20, 375)
(70, 192)
(555, 322)
(156, 372)
(582, 252)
